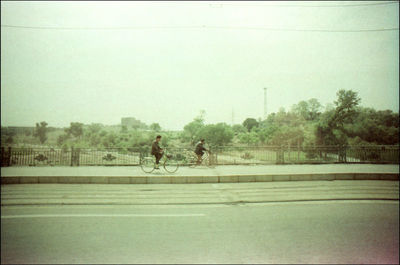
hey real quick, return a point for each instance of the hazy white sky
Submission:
(165, 61)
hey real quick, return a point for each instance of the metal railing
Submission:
(221, 155)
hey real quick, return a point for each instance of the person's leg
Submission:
(158, 157)
(199, 158)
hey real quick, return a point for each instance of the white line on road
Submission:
(99, 215)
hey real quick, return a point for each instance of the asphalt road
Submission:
(320, 231)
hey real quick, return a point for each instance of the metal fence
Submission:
(222, 155)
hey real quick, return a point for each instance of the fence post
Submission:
(298, 151)
(72, 156)
(9, 157)
(280, 155)
(77, 156)
(3, 157)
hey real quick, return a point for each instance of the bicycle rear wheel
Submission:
(147, 164)
(171, 165)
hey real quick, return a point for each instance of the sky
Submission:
(164, 62)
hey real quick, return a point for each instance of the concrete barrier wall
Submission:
(195, 179)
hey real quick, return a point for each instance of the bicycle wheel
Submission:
(171, 165)
(147, 164)
(207, 162)
(192, 161)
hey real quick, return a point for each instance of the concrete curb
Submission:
(171, 179)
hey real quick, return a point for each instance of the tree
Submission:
(249, 123)
(248, 138)
(309, 110)
(267, 131)
(95, 128)
(287, 135)
(314, 108)
(238, 128)
(155, 127)
(192, 129)
(62, 139)
(75, 129)
(330, 129)
(124, 129)
(41, 131)
(216, 134)
(110, 140)
(345, 110)
(371, 126)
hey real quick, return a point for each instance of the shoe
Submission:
(156, 167)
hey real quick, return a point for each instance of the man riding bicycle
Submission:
(199, 150)
(157, 151)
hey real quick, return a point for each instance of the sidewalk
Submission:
(219, 174)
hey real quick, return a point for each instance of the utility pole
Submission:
(265, 103)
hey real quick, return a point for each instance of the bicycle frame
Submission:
(148, 164)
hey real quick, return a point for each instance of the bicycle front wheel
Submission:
(192, 161)
(171, 165)
(147, 164)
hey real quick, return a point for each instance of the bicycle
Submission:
(169, 163)
(206, 160)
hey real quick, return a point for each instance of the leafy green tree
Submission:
(94, 140)
(286, 135)
(266, 132)
(216, 134)
(371, 126)
(331, 127)
(249, 138)
(314, 108)
(155, 127)
(238, 128)
(41, 131)
(95, 128)
(249, 123)
(124, 129)
(110, 140)
(345, 111)
(62, 139)
(75, 129)
(309, 110)
(191, 130)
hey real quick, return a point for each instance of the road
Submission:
(174, 227)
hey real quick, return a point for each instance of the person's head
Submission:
(202, 141)
(158, 138)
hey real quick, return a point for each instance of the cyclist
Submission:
(157, 151)
(199, 150)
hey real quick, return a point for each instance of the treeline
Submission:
(306, 124)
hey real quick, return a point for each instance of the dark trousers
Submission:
(158, 157)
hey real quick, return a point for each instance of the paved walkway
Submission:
(134, 174)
